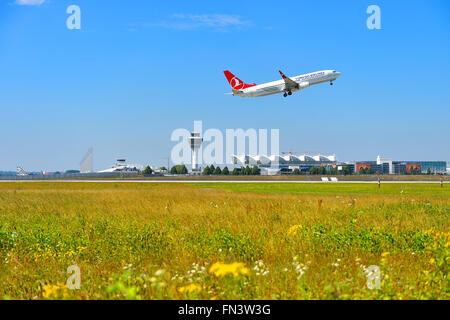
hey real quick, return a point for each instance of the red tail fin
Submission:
(235, 82)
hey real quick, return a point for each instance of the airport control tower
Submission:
(195, 141)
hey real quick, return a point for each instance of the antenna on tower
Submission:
(87, 163)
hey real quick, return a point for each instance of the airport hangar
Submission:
(276, 164)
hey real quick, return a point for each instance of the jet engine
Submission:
(303, 85)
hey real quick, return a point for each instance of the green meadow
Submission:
(224, 240)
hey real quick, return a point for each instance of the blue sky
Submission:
(137, 70)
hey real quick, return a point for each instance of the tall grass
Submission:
(266, 241)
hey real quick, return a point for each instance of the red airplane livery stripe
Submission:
(235, 82)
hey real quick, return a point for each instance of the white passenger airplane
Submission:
(285, 86)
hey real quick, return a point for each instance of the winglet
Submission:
(289, 83)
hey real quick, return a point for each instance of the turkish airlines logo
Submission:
(236, 84)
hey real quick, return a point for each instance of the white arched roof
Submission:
(320, 158)
(239, 159)
(277, 159)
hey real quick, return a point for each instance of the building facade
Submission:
(288, 163)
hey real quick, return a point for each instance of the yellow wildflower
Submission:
(190, 288)
(54, 291)
(386, 253)
(293, 230)
(79, 248)
(432, 261)
(220, 269)
(69, 253)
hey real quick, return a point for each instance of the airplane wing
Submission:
(289, 83)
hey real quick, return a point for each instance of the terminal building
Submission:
(122, 166)
(288, 163)
(275, 164)
(387, 166)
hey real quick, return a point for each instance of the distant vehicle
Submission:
(286, 86)
(21, 172)
(122, 166)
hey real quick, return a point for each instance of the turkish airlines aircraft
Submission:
(285, 86)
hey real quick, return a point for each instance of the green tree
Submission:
(313, 170)
(225, 171)
(415, 170)
(211, 169)
(217, 171)
(296, 171)
(179, 169)
(255, 171)
(235, 172)
(369, 170)
(163, 168)
(248, 171)
(428, 171)
(322, 170)
(346, 170)
(147, 170)
(206, 171)
(183, 169)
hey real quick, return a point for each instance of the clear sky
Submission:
(137, 70)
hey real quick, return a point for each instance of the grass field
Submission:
(224, 241)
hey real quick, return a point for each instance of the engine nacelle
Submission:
(303, 85)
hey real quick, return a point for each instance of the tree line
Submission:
(326, 170)
(211, 170)
(367, 170)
